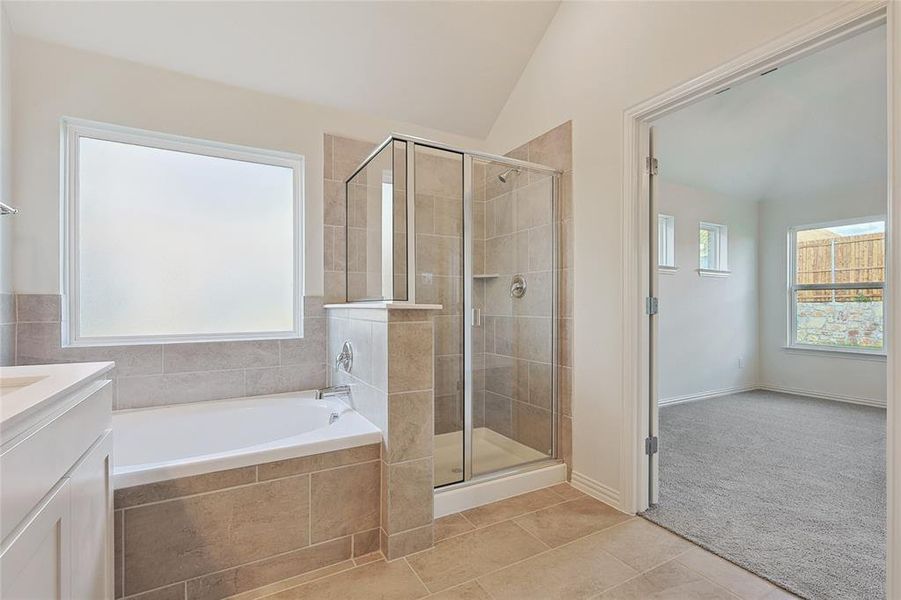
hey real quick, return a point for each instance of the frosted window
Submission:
(178, 244)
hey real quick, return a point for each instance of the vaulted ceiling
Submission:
(816, 124)
(446, 65)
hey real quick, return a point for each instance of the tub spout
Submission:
(337, 390)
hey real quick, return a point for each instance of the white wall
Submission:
(596, 60)
(707, 325)
(6, 223)
(823, 374)
(52, 81)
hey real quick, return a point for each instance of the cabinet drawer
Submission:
(35, 464)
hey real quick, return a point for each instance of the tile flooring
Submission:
(548, 544)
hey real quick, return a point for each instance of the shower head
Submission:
(505, 176)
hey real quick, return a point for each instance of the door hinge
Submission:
(650, 165)
(651, 305)
(650, 445)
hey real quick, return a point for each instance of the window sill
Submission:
(171, 340)
(879, 356)
(713, 273)
(667, 270)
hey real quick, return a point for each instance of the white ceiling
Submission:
(816, 124)
(445, 65)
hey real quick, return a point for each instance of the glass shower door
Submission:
(513, 291)
(438, 221)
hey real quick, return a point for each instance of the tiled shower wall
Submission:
(158, 374)
(438, 281)
(341, 156)
(554, 149)
(518, 354)
(439, 274)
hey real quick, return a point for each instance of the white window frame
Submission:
(792, 288)
(666, 242)
(721, 266)
(71, 131)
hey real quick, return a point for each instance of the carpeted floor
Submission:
(789, 487)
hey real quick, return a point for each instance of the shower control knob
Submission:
(518, 286)
(345, 359)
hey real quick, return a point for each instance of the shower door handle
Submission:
(476, 317)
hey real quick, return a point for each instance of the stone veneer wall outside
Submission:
(218, 534)
(392, 386)
(159, 374)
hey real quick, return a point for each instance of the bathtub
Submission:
(163, 443)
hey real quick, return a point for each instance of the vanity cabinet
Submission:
(56, 503)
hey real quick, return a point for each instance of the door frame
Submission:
(837, 25)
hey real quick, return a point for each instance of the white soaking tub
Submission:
(157, 444)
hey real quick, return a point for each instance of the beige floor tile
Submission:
(641, 544)
(368, 558)
(383, 580)
(465, 557)
(467, 591)
(575, 571)
(779, 594)
(292, 582)
(566, 491)
(571, 520)
(669, 581)
(450, 526)
(735, 579)
(511, 507)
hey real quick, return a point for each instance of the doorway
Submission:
(774, 340)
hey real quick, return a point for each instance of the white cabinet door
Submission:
(92, 522)
(35, 559)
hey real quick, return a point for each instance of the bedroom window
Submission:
(837, 286)
(171, 239)
(713, 245)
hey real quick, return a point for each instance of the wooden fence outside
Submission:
(846, 259)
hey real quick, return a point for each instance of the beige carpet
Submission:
(789, 487)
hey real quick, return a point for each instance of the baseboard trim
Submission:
(597, 490)
(705, 395)
(824, 396)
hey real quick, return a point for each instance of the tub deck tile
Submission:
(183, 486)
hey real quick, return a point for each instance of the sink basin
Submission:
(8, 385)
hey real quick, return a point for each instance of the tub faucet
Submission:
(335, 390)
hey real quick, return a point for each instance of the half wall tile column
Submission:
(393, 386)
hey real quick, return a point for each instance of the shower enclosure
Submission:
(477, 234)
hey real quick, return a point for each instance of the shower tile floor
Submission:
(550, 543)
(491, 451)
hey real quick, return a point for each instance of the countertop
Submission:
(31, 390)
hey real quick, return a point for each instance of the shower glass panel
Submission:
(376, 225)
(476, 234)
(438, 176)
(513, 286)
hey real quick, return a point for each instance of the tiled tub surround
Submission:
(227, 532)
(161, 374)
(392, 386)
